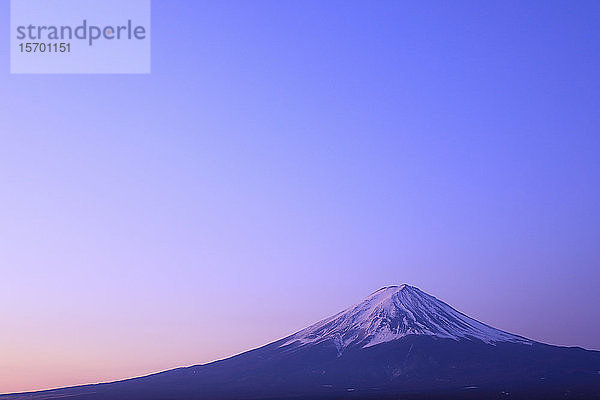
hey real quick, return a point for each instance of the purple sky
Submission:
(286, 159)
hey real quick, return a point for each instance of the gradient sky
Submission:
(284, 160)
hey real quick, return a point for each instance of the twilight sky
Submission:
(284, 160)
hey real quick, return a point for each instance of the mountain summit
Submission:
(394, 312)
(398, 343)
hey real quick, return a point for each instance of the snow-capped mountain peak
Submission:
(394, 312)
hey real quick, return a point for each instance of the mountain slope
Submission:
(394, 312)
(399, 342)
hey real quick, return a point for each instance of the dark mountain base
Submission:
(412, 368)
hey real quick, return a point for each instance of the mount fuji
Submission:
(394, 312)
(398, 343)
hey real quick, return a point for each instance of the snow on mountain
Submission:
(394, 312)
